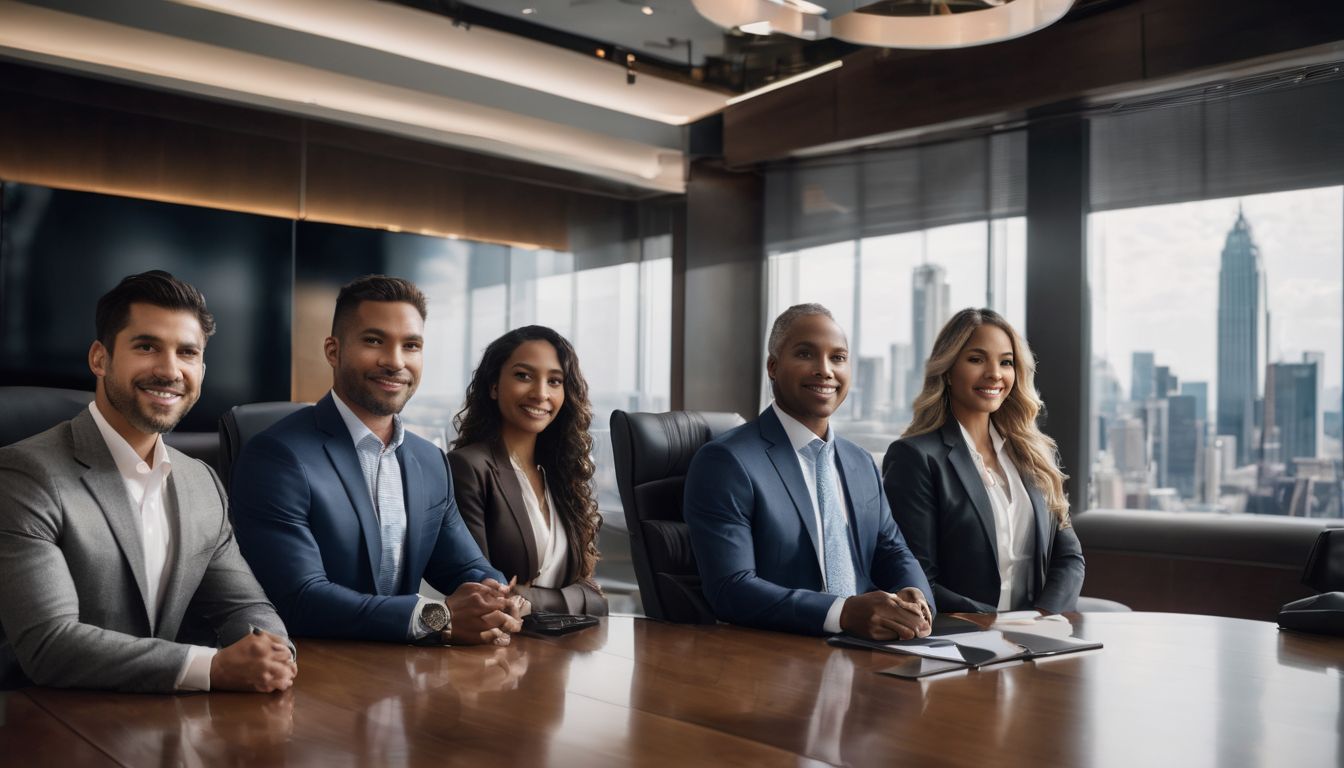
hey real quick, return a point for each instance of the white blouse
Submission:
(552, 544)
(1012, 521)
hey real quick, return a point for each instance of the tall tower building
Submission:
(1165, 383)
(1200, 391)
(1294, 411)
(1240, 293)
(1126, 443)
(902, 362)
(930, 305)
(1183, 444)
(1142, 376)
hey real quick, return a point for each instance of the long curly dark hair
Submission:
(564, 448)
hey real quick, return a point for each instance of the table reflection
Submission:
(1167, 689)
(219, 731)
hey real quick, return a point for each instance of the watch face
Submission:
(435, 616)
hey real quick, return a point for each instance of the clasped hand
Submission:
(485, 612)
(259, 662)
(886, 616)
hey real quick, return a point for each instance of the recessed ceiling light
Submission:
(529, 11)
(647, 10)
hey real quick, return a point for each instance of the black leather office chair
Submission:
(653, 452)
(27, 411)
(241, 423)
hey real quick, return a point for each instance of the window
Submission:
(894, 242)
(611, 297)
(1215, 244)
(1217, 338)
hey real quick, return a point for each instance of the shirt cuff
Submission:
(418, 629)
(195, 674)
(832, 624)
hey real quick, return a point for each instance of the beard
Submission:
(140, 416)
(360, 391)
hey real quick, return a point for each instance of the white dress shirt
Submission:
(799, 437)
(147, 487)
(552, 543)
(416, 628)
(1012, 520)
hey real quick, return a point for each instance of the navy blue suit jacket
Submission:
(753, 529)
(304, 520)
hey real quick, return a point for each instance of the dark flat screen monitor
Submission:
(61, 250)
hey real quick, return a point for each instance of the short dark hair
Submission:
(155, 287)
(375, 288)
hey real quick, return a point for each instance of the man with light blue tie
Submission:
(788, 521)
(341, 512)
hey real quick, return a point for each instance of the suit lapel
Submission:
(785, 459)
(506, 479)
(959, 457)
(188, 539)
(1044, 538)
(108, 489)
(340, 449)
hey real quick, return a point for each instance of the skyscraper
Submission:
(1200, 391)
(1295, 409)
(1240, 292)
(930, 301)
(872, 388)
(902, 362)
(1165, 383)
(1183, 444)
(1141, 376)
(1126, 443)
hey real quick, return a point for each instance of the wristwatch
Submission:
(437, 617)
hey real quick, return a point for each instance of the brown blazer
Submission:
(491, 502)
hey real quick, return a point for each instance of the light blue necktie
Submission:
(834, 526)
(383, 473)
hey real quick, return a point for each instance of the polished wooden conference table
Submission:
(1167, 689)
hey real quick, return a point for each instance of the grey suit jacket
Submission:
(73, 611)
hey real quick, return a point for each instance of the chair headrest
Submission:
(27, 411)
(662, 444)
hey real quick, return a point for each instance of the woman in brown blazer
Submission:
(522, 469)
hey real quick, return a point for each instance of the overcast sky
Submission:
(1155, 280)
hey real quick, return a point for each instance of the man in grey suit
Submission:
(108, 537)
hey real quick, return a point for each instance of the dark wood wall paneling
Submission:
(73, 132)
(880, 92)
(76, 133)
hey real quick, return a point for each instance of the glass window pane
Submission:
(908, 285)
(1217, 332)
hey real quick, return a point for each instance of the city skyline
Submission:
(1154, 273)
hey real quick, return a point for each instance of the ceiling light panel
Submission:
(51, 36)
(435, 40)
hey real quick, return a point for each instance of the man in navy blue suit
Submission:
(788, 521)
(341, 512)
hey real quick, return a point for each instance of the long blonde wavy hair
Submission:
(1035, 453)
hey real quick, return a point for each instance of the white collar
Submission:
(995, 438)
(129, 463)
(799, 435)
(359, 430)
